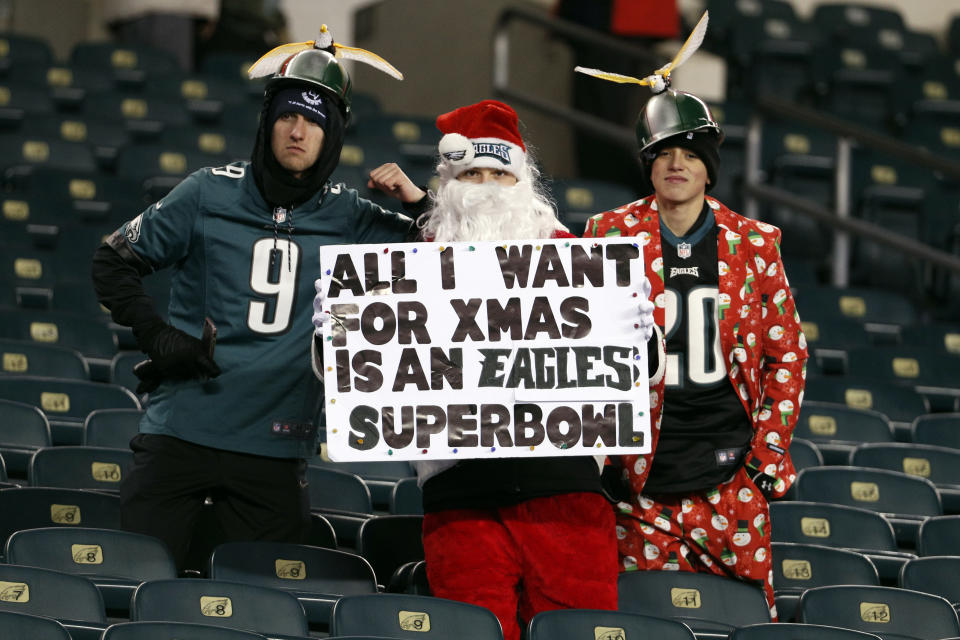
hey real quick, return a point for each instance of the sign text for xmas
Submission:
(483, 349)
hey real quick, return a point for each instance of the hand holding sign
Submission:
(320, 317)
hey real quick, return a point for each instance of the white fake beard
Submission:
(466, 211)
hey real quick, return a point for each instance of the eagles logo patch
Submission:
(133, 229)
(312, 98)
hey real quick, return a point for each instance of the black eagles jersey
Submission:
(705, 429)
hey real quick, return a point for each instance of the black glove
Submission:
(615, 487)
(764, 483)
(175, 355)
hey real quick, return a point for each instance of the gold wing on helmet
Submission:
(658, 80)
(271, 61)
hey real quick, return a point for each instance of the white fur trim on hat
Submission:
(462, 153)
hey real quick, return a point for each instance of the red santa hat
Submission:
(484, 134)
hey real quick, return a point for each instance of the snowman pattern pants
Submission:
(556, 552)
(724, 531)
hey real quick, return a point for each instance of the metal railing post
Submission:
(840, 272)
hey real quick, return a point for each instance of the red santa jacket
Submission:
(760, 335)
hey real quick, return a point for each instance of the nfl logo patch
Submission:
(684, 250)
(279, 215)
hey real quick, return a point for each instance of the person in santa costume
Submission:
(736, 361)
(517, 536)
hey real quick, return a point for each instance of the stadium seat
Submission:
(90, 337)
(73, 185)
(380, 477)
(342, 498)
(21, 357)
(16, 48)
(24, 625)
(944, 336)
(316, 576)
(796, 631)
(71, 600)
(66, 403)
(575, 624)
(211, 140)
(940, 429)
(903, 499)
(836, 429)
(115, 561)
(724, 16)
(898, 403)
(145, 161)
(406, 616)
(828, 332)
(270, 612)
(111, 427)
(708, 604)
(840, 527)
(938, 536)
(939, 465)
(35, 507)
(388, 542)
(889, 612)
(121, 369)
(79, 467)
(805, 454)
(933, 574)
(797, 567)
(180, 630)
(864, 305)
(907, 365)
(773, 57)
(102, 135)
(18, 149)
(26, 100)
(857, 84)
(406, 498)
(578, 199)
(25, 429)
(130, 65)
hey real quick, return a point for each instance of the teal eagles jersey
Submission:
(254, 279)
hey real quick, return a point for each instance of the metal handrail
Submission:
(753, 188)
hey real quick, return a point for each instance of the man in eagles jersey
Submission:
(243, 242)
(735, 361)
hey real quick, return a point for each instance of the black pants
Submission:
(254, 497)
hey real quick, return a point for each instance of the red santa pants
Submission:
(725, 531)
(549, 553)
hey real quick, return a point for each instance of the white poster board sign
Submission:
(484, 349)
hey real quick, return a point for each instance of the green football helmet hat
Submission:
(319, 68)
(672, 113)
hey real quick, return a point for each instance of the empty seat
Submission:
(899, 403)
(39, 151)
(35, 507)
(180, 630)
(16, 48)
(574, 624)
(406, 498)
(270, 612)
(129, 64)
(380, 477)
(938, 536)
(23, 430)
(111, 427)
(940, 429)
(908, 365)
(904, 500)
(24, 625)
(943, 336)
(316, 576)
(805, 454)
(35, 359)
(837, 526)
(389, 542)
(115, 561)
(798, 567)
(89, 336)
(796, 631)
(708, 604)
(578, 199)
(933, 574)
(342, 498)
(889, 612)
(72, 600)
(837, 429)
(406, 616)
(79, 467)
(144, 161)
(863, 305)
(939, 465)
(121, 369)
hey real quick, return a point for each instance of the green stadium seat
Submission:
(724, 16)
(941, 336)
(71, 600)
(65, 402)
(772, 56)
(840, 527)
(24, 625)
(838, 19)
(23, 430)
(143, 161)
(111, 427)
(574, 624)
(406, 498)
(407, 616)
(76, 185)
(939, 465)
(130, 65)
(115, 561)
(18, 149)
(796, 631)
(342, 498)
(315, 576)
(938, 536)
(837, 429)
(708, 604)
(16, 48)
(910, 366)
(167, 630)
(889, 612)
(21, 357)
(24, 100)
(104, 137)
(389, 542)
(899, 403)
(798, 567)
(939, 429)
(903, 499)
(804, 454)
(578, 199)
(858, 84)
(270, 612)
(121, 369)
(211, 140)
(863, 305)
(79, 467)
(933, 574)
(35, 507)
(380, 477)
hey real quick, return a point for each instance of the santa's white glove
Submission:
(645, 322)
(320, 317)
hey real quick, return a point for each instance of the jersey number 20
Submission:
(698, 365)
(275, 278)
